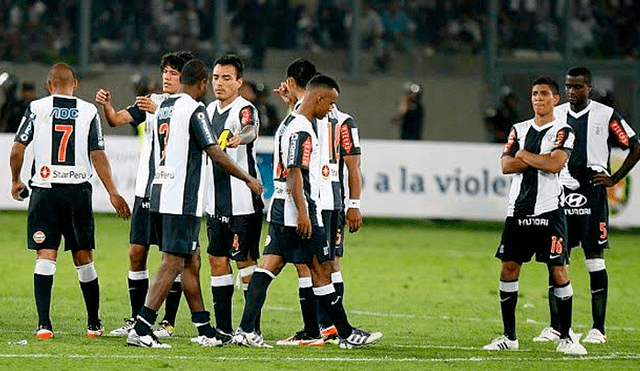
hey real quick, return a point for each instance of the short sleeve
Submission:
(512, 146)
(24, 134)
(349, 138)
(300, 147)
(200, 128)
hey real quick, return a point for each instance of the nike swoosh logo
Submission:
(596, 291)
(336, 301)
(554, 256)
(603, 242)
(502, 300)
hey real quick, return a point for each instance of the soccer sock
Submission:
(244, 272)
(222, 292)
(599, 291)
(88, 278)
(508, 301)
(145, 320)
(553, 307)
(332, 303)
(308, 306)
(338, 284)
(173, 301)
(42, 284)
(138, 287)
(202, 321)
(256, 295)
(564, 298)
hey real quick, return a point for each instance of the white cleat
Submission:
(502, 343)
(568, 346)
(165, 330)
(547, 334)
(145, 341)
(124, 330)
(594, 336)
(360, 338)
(249, 339)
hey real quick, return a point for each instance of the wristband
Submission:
(353, 204)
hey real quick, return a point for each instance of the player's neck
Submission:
(542, 120)
(228, 101)
(62, 91)
(577, 107)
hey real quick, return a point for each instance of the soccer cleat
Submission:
(502, 343)
(219, 340)
(568, 346)
(360, 338)
(124, 330)
(547, 334)
(145, 341)
(249, 339)
(165, 330)
(330, 335)
(44, 333)
(95, 331)
(302, 339)
(594, 336)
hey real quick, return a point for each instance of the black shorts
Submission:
(236, 237)
(285, 242)
(334, 221)
(142, 229)
(544, 235)
(178, 234)
(63, 210)
(587, 211)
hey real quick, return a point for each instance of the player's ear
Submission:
(75, 85)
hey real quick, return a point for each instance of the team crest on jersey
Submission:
(267, 240)
(45, 172)
(325, 171)
(39, 237)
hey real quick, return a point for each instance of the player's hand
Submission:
(304, 228)
(120, 205)
(255, 186)
(602, 179)
(284, 91)
(17, 190)
(234, 141)
(146, 104)
(354, 219)
(103, 97)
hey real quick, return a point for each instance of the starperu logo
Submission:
(39, 237)
(45, 172)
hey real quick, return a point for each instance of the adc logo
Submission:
(575, 200)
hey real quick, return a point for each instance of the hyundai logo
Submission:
(575, 200)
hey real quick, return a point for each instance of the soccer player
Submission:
(597, 127)
(234, 213)
(182, 133)
(142, 234)
(295, 231)
(67, 140)
(535, 152)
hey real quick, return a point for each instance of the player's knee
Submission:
(86, 273)
(45, 267)
(595, 265)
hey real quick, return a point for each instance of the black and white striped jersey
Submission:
(62, 130)
(597, 128)
(182, 131)
(534, 192)
(295, 146)
(146, 166)
(226, 195)
(338, 137)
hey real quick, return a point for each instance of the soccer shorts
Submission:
(334, 221)
(62, 210)
(285, 242)
(544, 235)
(177, 234)
(142, 229)
(587, 211)
(236, 237)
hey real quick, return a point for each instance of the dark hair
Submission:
(175, 60)
(323, 81)
(231, 60)
(193, 72)
(545, 80)
(302, 71)
(580, 71)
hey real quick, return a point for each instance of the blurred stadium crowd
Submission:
(138, 31)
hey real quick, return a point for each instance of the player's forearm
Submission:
(103, 169)
(629, 162)
(294, 180)
(16, 160)
(248, 134)
(355, 176)
(550, 162)
(512, 165)
(118, 118)
(226, 163)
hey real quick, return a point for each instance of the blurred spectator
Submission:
(411, 113)
(498, 121)
(398, 28)
(14, 107)
(371, 32)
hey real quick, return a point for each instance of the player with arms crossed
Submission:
(536, 151)
(67, 142)
(597, 127)
(142, 234)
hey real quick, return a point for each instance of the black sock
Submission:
(258, 317)
(91, 294)
(599, 291)
(137, 293)
(323, 317)
(202, 321)
(172, 303)
(564, 299)
(145, 320)
(553, 308)
(332, 303)
(508, 302)
(256, 295)
(42, 288)
(309, 307)
(222, 299)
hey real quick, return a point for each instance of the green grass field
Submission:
(431, 287)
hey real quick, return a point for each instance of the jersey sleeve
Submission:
(349, 138)
(24, 134)
(300, 147)
(620, 133)
(249, 116)
(200, 128)
(96, 139)
(565, 139)
(512, 146)
(139, 116)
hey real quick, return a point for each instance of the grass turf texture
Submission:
(430, 286)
